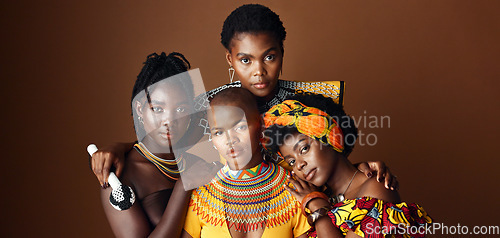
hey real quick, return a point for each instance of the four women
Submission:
(253, 36)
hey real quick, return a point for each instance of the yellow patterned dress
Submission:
(371, 217)
(246, 200)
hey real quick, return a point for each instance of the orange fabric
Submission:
(309, 121)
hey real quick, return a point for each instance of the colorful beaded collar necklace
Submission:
(246, 173)
(257, 201)
(162, 164)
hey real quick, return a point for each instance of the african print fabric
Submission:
(371, 217)
(309, 121)
(331, 89)
(258, 201)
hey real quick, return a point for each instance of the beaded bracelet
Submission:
(310, 197)
(311, 219)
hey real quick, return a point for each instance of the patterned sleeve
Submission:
(370, 217)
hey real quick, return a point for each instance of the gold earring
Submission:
(231, 73)
(189, 123)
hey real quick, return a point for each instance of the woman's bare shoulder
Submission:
(372, 188)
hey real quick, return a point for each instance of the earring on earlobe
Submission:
(140, 119)
(189, 124)
(215, 147)
(262, 139)
(231, 73)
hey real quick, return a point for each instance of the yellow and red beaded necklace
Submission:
(247, 200)
(162, 164)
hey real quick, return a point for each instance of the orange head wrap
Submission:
(309, 121)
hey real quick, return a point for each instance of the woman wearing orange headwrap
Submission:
(315, 136)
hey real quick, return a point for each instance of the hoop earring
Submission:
(140, 119)
(231, 73)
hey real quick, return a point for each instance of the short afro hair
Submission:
(277, 134)
(252, 18)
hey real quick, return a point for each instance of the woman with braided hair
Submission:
(162, 102)
(253, 36)
(315, 136)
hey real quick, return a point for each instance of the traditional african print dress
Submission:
(245, 200)
(371, 217)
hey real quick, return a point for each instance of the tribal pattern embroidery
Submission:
(246, 204)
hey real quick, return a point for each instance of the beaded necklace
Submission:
(246, 173)
(257, 201)
(162, 164)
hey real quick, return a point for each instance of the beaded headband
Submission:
(309, 121)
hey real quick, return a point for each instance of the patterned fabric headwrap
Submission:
(309, 121)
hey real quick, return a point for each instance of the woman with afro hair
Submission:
(315, 137)
(253, 36)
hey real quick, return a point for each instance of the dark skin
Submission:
(257, 60)
(233, 127)
(150, 215)
(314, 165)
(135, 221)
(145, 179)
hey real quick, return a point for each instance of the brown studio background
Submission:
(68, 69)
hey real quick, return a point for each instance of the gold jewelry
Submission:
(189, 123)
(231, 73)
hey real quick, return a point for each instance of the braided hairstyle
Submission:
(159, 67)
(252, 18)
(334, 110)
(155, 69)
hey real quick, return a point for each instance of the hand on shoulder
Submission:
(374, 189)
